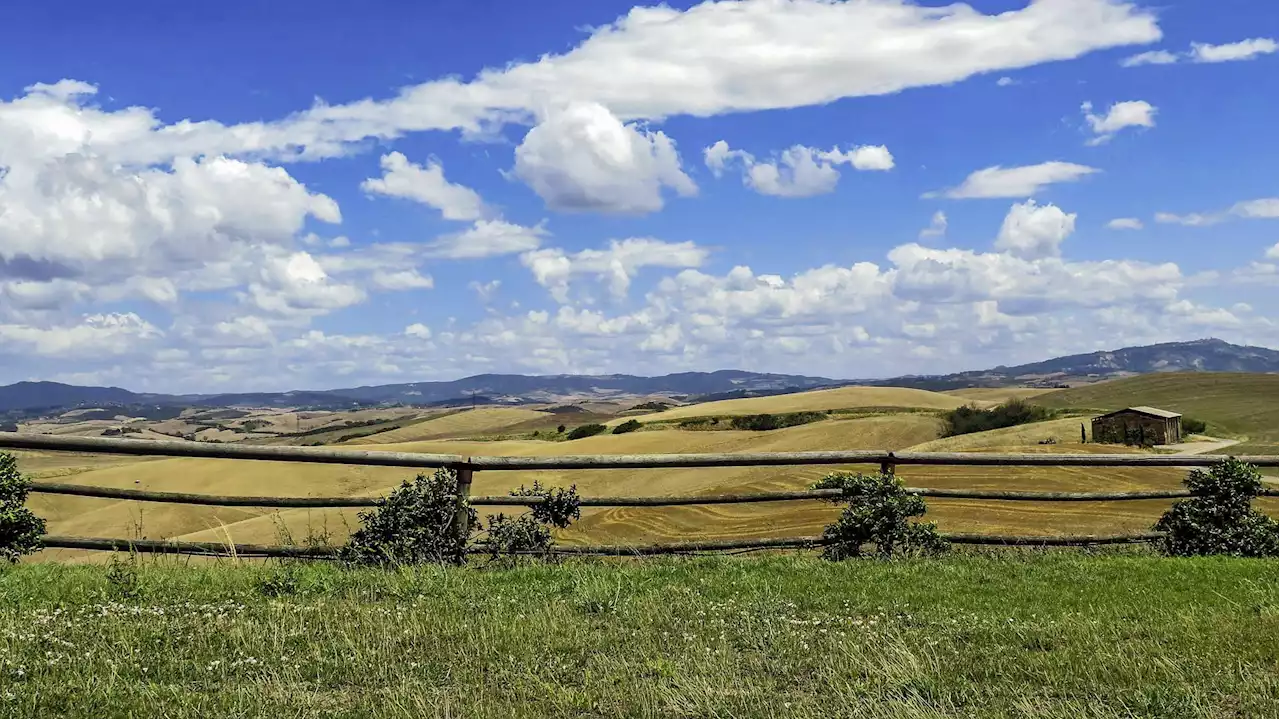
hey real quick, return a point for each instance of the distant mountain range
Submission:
(1208, 355)
(481, 389)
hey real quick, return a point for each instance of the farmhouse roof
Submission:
(1150, 411)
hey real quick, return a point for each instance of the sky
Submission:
(266, 196)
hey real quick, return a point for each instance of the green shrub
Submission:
(528, 534)
(20, 528)
(1219, 518)
(969, 419)
(1191, 425)
(630, 425)
(560, 429)
(586, 430)
(766, 422)
(413, 525)
(559, 506)
(879, 512)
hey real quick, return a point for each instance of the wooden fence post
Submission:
(461, 517)
(887, 468)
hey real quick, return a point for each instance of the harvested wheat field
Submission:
(997, 394)
(816, 401)
(482, 420)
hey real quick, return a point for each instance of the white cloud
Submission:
(1206, 53)
(1130, 113)
(799, 171)
(1006, 81)
(1191, 220)
(402, 280)
(1262, 208)
(1242, 50)
(617, 264)
(487, 238)
(1032, 232)
(298, 285)
(581, 158)
(937, 226)
(419, 330)
(1151, 57)
(1125, 223)
(1024, 181)
(1273, 252)
(401, 178)
(100, 334)
(748, 55)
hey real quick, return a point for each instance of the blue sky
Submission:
(249, 196)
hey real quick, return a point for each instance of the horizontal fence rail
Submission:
(500, 500)
(112, 445)
(222, 549)
(466, 466)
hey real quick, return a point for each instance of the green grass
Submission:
(1043, 634)
(1235, 405)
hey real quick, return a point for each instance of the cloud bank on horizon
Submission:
(809, 186)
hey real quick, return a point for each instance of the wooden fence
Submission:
(466, 467)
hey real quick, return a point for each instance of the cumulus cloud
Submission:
(1130, 113)
(750, 55)
(799, 171)
(1032, 232)
(937, 226)
(998, 181)
(617, 264)
(582, 157)
(401, 178)
(1125, 223)
(297, 284)
(99, 334)
(1006, 81)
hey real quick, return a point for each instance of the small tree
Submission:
(20, 528)
(878, 512)
(1219, 519)
(413, 525)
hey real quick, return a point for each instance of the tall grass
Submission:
(1045, 634)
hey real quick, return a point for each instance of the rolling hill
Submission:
(1235, 405)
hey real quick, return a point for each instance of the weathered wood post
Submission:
(887, 466)
(1082, 437)
(461, 517)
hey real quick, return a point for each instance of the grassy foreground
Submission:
(1043, 634)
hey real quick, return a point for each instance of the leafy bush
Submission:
(969, 419)
(413, 525)
(20, 528)
(586, 430)
(1193, 426)
(630, 425)
(560, 429)
(1219, 519)
(766, 422)
(878, 513)
(559, 506)
(510, 536)
(528, 533)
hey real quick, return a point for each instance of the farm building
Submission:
(1138, 425)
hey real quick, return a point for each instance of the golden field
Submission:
(915, 430)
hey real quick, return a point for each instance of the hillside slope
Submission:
(813, 401)
(1235, 405)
